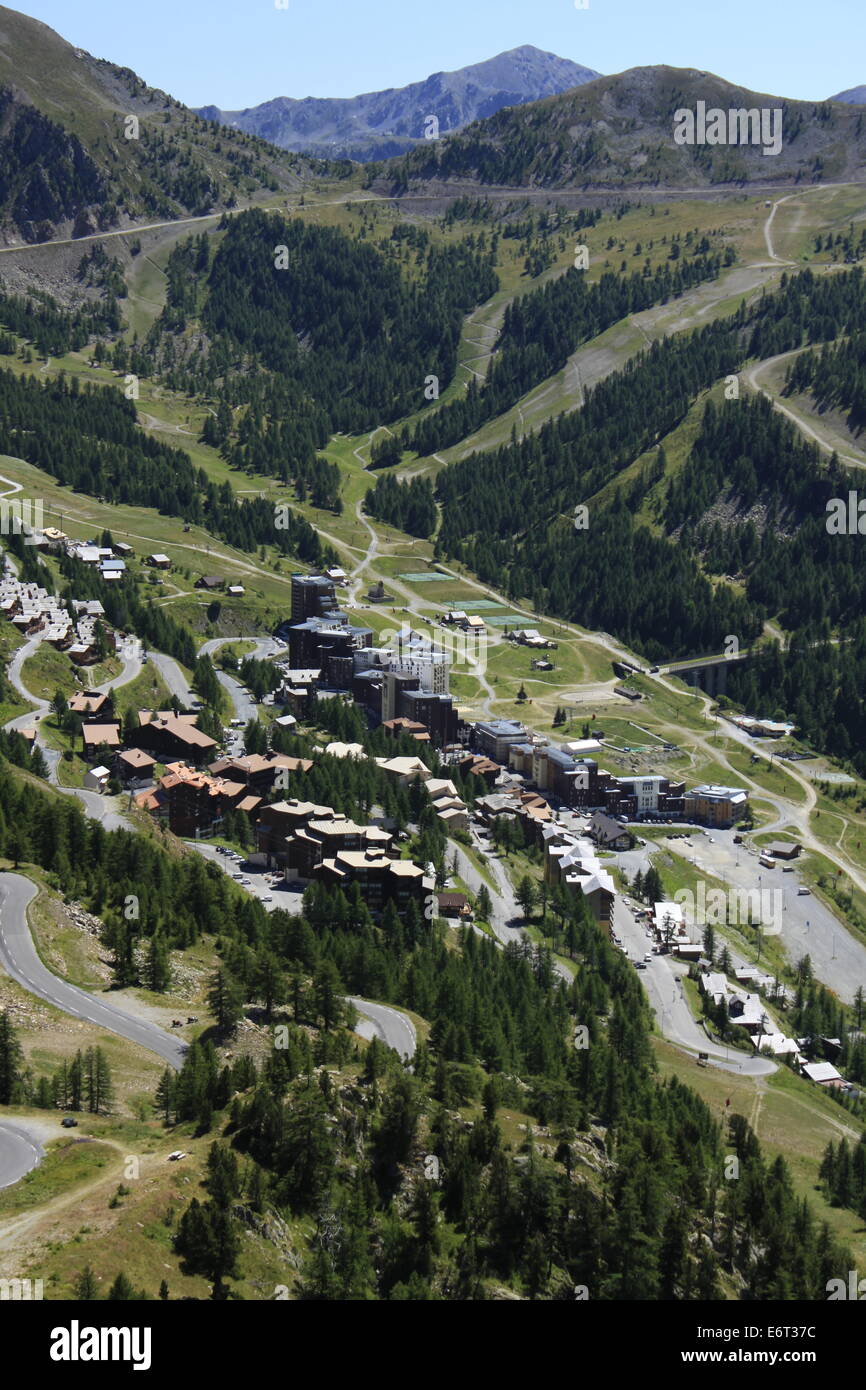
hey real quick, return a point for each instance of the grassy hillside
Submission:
(86, 145)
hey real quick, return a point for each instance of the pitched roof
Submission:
(821, 1071)
(296, 808)
(150, 800)
(136, 757)
(345, 750)
(147, 716)
(606, 827)
(179, 774)
(256, 762)
(182, 730)
(440, 786)
(457, 900)
(95, 734)
(404, 767)
(479, 764)
(83, 703)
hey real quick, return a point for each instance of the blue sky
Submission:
(237, 53)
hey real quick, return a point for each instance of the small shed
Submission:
(96, 778)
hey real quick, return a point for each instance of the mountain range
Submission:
(379, 125)
(618, 132)
(87, 146)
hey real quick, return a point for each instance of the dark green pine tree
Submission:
(225, 1000)
(209, 1240)
(157, 966)
(327, 993)
(75, 1090)
(85, 1285)
(165, 1094)
(11, 1076)
(121, 1290)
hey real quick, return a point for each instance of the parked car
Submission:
(68, 1122)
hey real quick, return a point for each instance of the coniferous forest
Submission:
(406, 1200)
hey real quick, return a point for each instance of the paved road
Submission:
(506, 918)
(19, 958)
(808, 927)
(389, 1025)
(14, 674)
(661, 980)
(243, 705)
(20, 1151)
(173, 677)
(383, 1022)
(96, 806)
(131, 668)
(839, 960)
(265, 646)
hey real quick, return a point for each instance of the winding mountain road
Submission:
(389, 1026)
(241, 700)
(20, 960)
(662, 982)
(97, 806)
(753, 375)
(20, 1152)
(173, 677)
(506, 916)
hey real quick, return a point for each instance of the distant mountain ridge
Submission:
(855, 96)
(619, 132)
(379, 125)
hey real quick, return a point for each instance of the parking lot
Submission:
(808, 927)
(265, 884)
